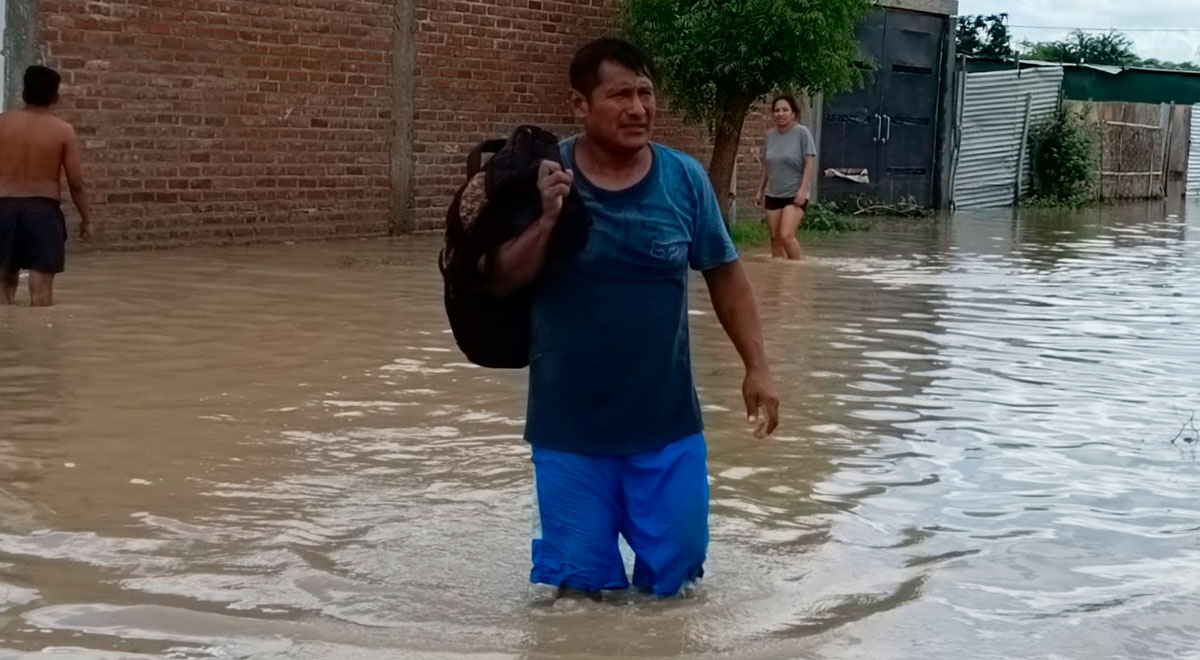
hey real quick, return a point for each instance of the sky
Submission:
(1119, 14)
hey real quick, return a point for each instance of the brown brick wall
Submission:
(749, 169)
(217, 121)
(232, 121)
(486, 66)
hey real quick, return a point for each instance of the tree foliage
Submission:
(1065, 160)
(718, 57)
(1152, 63)
(711, 51)
(984, 36)
(1111, 48)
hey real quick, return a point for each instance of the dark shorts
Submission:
(779, 203)
(33, 235)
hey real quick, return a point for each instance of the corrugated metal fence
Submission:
(1193, 173)
(997, 110)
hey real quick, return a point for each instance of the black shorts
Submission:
(33, 235)
(779, 203)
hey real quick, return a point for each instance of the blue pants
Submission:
(658, 501)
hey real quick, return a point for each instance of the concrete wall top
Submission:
(941, 7)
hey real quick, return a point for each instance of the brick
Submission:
(485, 66)
(201, 115)
(181, 99)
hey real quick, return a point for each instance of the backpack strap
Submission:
(475, 158)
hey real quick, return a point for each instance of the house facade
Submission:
(238, 121)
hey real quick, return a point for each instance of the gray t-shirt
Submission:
(783, 156)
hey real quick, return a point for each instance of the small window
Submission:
(846, 119)
(908, 68)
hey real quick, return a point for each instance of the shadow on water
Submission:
(277, 453)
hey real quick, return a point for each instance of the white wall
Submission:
(1193, 175)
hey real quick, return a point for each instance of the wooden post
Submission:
(1165, 121)
(1120, 160)
(1024, 150)
(1103, 128)
(960, 99)
(1150, 161)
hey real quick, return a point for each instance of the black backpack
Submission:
(500, 199)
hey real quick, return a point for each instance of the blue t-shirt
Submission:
(610, 361)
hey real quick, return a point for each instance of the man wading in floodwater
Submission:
(614, 419)
(36, 148)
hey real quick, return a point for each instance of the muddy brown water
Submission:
(276, 452)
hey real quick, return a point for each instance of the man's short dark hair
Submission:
(585, 68)
(41, 86)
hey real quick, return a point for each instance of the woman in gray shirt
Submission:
(788, 158)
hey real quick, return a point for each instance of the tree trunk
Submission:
(726, 144)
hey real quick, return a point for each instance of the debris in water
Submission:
(1188, 435)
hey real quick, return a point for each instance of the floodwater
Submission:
(276, 453)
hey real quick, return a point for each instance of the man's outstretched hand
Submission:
(762, 406)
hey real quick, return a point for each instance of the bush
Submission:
(827, 218)
(1065, 163)
(820, 218)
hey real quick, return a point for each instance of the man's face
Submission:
(619, 113)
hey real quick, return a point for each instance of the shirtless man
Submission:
(35, 148)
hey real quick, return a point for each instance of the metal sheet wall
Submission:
(992, 124)
(1193, 173)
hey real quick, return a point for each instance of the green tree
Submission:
(1112, 48)
(1049, 51)
(1175, 66)
(984, 36)
(718, 57)
(1065, 155)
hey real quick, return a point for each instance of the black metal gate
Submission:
(889, 127)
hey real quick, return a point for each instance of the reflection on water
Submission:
(275, 453)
